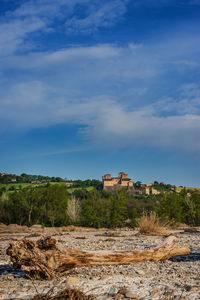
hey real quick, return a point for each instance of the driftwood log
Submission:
(44, 260)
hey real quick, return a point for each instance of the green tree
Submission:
(137, 184)
(34, 198)
(171, 206)
(4, 213)
(95, 210)
(134, 217)
(2, 190)
(55, 198)
(192, 208)
(18, 208)
(118, 208)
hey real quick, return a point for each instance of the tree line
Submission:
(54, 206)
(27, 178)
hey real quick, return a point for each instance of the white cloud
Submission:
(17, 27)
(125, 63)
(102, 120)
(44, 9)
(13, 34)
(121, 129)
(100, 14)
(187, 102)
(101, 62)
(103, 89)
(94, 52)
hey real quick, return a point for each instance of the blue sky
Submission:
(89, 87)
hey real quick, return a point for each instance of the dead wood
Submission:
(44, 260)
(67, 294)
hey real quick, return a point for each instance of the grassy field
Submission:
(18, 186)
(71, 190)
(161, 188)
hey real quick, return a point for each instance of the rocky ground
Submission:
(171, 279)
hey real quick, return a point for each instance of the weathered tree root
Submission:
(44, 260)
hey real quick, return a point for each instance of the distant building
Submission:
(154, 191)
(149, 190)
(69, 184)
(146, 190)
(117, 182)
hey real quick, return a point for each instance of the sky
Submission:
(89, 87)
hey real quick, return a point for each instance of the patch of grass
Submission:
(12, 187)
(161, 188)
(71, 190)
(151, 224)
(60, 183)
(19, 186)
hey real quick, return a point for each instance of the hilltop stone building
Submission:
(149, 190)
(122, 181)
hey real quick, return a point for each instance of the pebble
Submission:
(142, 280)
(131, 295)
(112, 291)
(72, 281)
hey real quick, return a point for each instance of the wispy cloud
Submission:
(119, 95)
(52, 153)
(99, 14)
(120, 128)
(13, 34)
(17, 28)
(104, 120)
(187, 102)
(41, 60)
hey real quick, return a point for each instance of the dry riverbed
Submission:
(171, 279)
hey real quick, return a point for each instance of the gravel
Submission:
(171, 279)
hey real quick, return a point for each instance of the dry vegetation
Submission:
(68, 294)
(44, 260)
(150, 224)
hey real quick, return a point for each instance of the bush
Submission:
(150, 224)
(182, 208)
